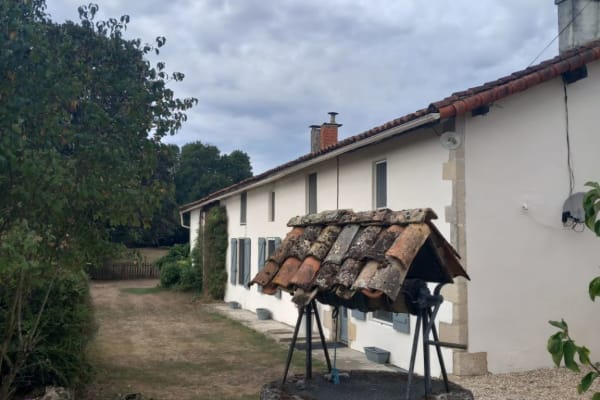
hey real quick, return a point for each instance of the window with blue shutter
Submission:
(261, 257)
(233, 261)
(276, 244)
(247, 262)
(401, 322)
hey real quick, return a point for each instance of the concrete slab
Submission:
(347, 359)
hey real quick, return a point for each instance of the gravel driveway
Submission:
(546, 384)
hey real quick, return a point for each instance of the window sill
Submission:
(382, 322)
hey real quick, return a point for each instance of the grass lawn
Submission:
(165, 345)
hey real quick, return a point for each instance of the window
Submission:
(272, 206)
(383, 315)
(271, 246)
(400, 321)
(233, 261)
(243, 261)
(243, 207)
(266, 247)
(380, 184)
(312, 193)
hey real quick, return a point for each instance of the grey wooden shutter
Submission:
(402, 322)
(357, 314)
(261, 257)
(381, 184)
(312, 193)
(277, 244)
(243, 207)
(233, 266)
(247, 261)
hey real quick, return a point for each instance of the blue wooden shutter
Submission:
(402, 322)
(261, 257)
(246, 261)
(277, 244)
(357, 314)
(233, 266)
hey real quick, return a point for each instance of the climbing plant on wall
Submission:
(210, 251)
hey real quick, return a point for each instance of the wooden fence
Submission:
(124, 270)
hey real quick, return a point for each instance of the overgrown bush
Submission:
(189, 278)
(176, 270)
(170, 274)
(204, 269)
(58, 357)
(176, 253)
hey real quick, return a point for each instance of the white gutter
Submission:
(181, 220)
(415, 123)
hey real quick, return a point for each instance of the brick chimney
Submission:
(329, 132)
(578, 22)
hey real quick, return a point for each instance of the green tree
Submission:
(560, 345)
(203, 170)
(164, 228)
(82, 115)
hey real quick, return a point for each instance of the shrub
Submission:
(176, 253)
(65, 328)
(170, 274)
(176, 270)
(189, 277)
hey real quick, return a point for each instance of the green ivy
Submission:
(210, 251)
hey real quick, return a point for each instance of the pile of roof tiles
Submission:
(359, 260)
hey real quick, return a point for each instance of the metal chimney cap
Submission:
(314, 126)
(332, 115)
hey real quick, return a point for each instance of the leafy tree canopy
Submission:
(82, 114)
(203, 169)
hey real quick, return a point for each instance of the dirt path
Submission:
(166, 346)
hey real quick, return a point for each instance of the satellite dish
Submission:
(450, 140)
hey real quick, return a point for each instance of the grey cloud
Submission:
(265, 70)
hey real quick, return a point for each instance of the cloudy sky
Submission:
(263, 71)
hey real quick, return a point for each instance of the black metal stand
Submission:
(308, 310)
(428, 306)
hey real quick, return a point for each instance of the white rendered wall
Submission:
(526, 268)
(414, 170)
(194, 226)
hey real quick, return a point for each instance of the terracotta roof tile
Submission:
(359, 260)
(455, 104)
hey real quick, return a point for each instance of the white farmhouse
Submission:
(512, 151)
